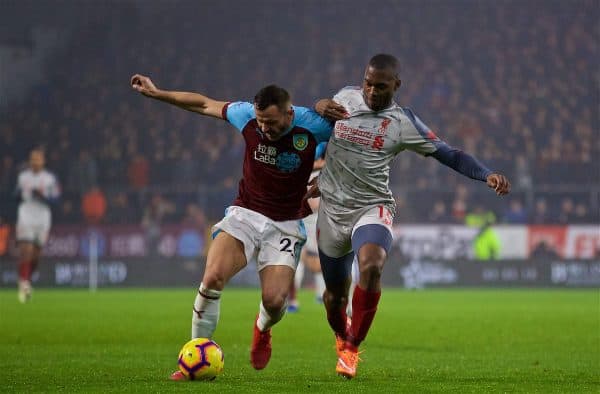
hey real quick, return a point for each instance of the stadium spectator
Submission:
(120, 210)
(138, 172)
(4, 237)
(194, 217)
(580, 213)
(486, 243)
(516, 213)
(544, 252)
(93, 205)
(567, 211)
(540, 212)
(67, 210)
(185, 169)
(480, 217)
(7, 173)
(155, 214)
(459, 204)
(439, 213)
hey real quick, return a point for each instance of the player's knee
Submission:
(371, 267)
(273, 301)
(214, 281)
(333, 299)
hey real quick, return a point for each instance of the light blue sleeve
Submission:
(239, 113)
(320, 151)
(312, 121)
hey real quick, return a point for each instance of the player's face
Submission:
(273, 121)
(36, 160)
(379, 87)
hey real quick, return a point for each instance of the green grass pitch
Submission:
(460, 341)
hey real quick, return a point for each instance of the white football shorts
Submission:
(335, 238)
(266, 241)
(34, 230)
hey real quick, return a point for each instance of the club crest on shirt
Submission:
(384, 125)
(288, 162)
(300, 141)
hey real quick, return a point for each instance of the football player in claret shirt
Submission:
(264, 223)
(357, 207)
(37, 189)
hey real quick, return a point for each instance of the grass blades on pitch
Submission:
(421, 341)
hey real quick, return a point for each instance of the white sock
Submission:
(266, 321)
(319, 284)
(205, 315)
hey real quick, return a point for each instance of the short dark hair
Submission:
(272, 95)
(383, 61)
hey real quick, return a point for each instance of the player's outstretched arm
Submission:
(194, 102)
(471, 167)
(331, 110)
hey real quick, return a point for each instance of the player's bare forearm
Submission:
(189, 101)
(194, 102)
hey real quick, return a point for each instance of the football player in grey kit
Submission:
(357, 206)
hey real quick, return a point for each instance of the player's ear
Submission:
(398, 83)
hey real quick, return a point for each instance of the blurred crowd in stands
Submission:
(514, 83)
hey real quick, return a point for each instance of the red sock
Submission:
(25, 270)
(337, 319)
(364, 306)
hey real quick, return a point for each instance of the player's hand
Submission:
(313, 190)
(331, 110)
(37, 193)
(143, 85)
(499, 183)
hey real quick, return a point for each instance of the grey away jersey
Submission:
(356, 174)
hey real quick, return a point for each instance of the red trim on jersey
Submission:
(224, 111)
(431, 135)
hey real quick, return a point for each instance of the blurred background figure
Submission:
(156, 213)
(516, 212)
(83, 173)
(4, 236)
(37, 189)
(486, 243)
(93, 205)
